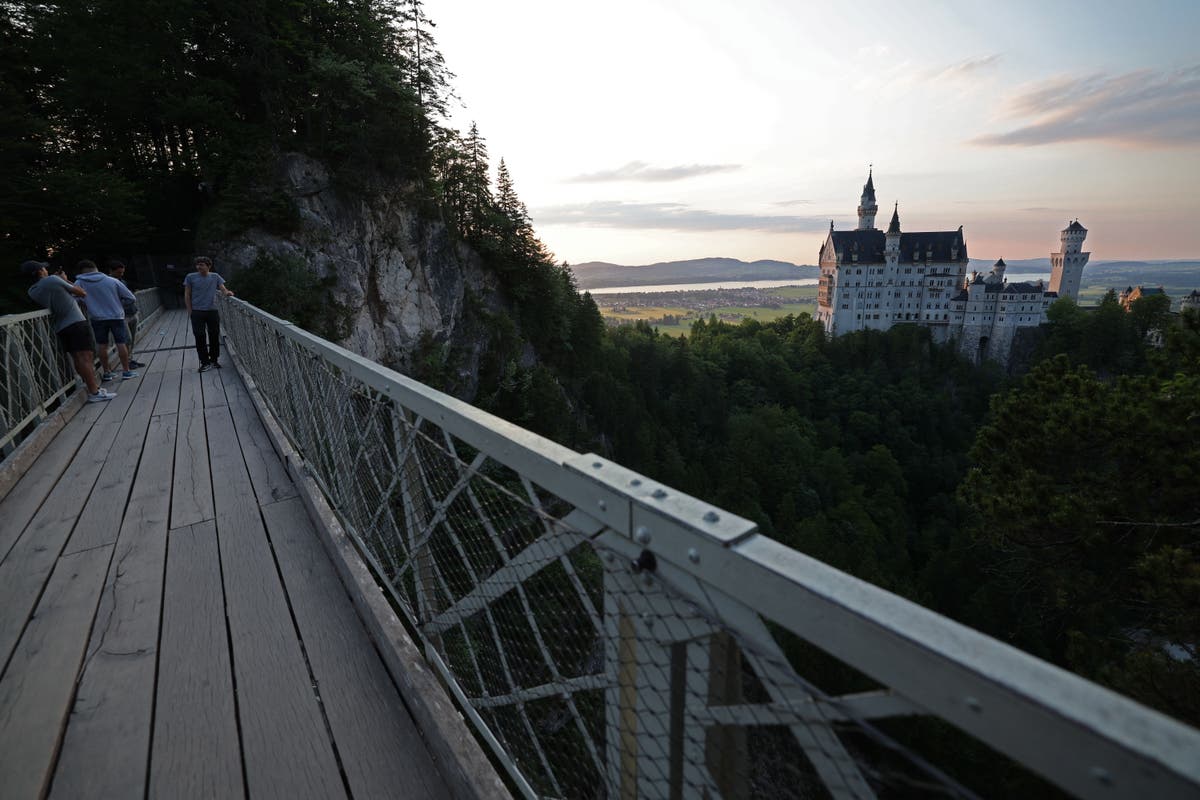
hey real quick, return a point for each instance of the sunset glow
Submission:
(661, 130)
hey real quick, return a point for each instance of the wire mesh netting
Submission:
(591, 673)
(34, 370)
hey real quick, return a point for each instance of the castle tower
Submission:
(866, 206)
(891, 247)
(1066, 266)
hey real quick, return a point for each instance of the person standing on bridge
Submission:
(117, 270)
(105, 306)
(74, 333)
(200, 290)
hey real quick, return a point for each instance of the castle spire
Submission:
(867, 208)
(894, 227)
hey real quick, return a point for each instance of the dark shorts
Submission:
(103, 327)
(77, 338)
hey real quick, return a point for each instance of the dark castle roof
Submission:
(1075, 226)
(869, 189)
(869, 245)
(894, 227)
(1022, 287)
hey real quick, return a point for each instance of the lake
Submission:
(693, 287)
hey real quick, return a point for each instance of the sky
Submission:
(639, 131)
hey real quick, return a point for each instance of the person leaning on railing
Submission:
(106, 311)
(74, 332)
(117, 270)
(200, 290)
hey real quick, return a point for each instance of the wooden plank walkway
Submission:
(170, 625)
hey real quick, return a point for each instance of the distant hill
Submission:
(1118, 274)
(595, 274)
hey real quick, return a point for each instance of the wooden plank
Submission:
(214, 392)
(196, 749)
(171, 360)
(18, 508)
(107, 744)
(106, 502)
(191, 361)
(24, 571)
(22, 457)
(160, 335)
(191, 494)
(168, 394)
(36, 690)
(381, 749)
(268, 474)
(285, 745)
(191, 392)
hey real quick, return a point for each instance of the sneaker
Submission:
(216, 364)
(135, 364)
(205, 367)
(100, 396)
(127, 374)
(108, 376)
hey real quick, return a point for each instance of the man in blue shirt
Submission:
(200, 289)
(106, 313)
(74, 333)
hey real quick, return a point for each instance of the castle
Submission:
(872, 280)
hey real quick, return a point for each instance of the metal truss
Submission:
(611, 637)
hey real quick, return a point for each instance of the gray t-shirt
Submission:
(54, 293)
(204, 290)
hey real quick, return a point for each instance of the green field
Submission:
(798, 300)
(644, 312)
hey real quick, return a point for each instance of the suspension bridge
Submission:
(306, 575)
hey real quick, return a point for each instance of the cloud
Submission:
(787, 203)
(874, 51)
(641, 171)
(1146, 108)
(670, 216)
(965, 69)
(902, 74)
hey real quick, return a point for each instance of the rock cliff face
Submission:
(398, 277)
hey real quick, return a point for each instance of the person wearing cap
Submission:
(117, 270)
(107, 314)
(200, 289)
(54, 293)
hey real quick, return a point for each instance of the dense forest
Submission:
(1057, 510)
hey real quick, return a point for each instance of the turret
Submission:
(892, 239)
(998, 269)
(1066, 266)
(867, 207)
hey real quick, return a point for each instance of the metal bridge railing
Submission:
(611, 637)
(35, 374)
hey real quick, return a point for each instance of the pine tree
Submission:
(478, 182)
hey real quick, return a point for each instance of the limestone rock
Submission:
(400, 277)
